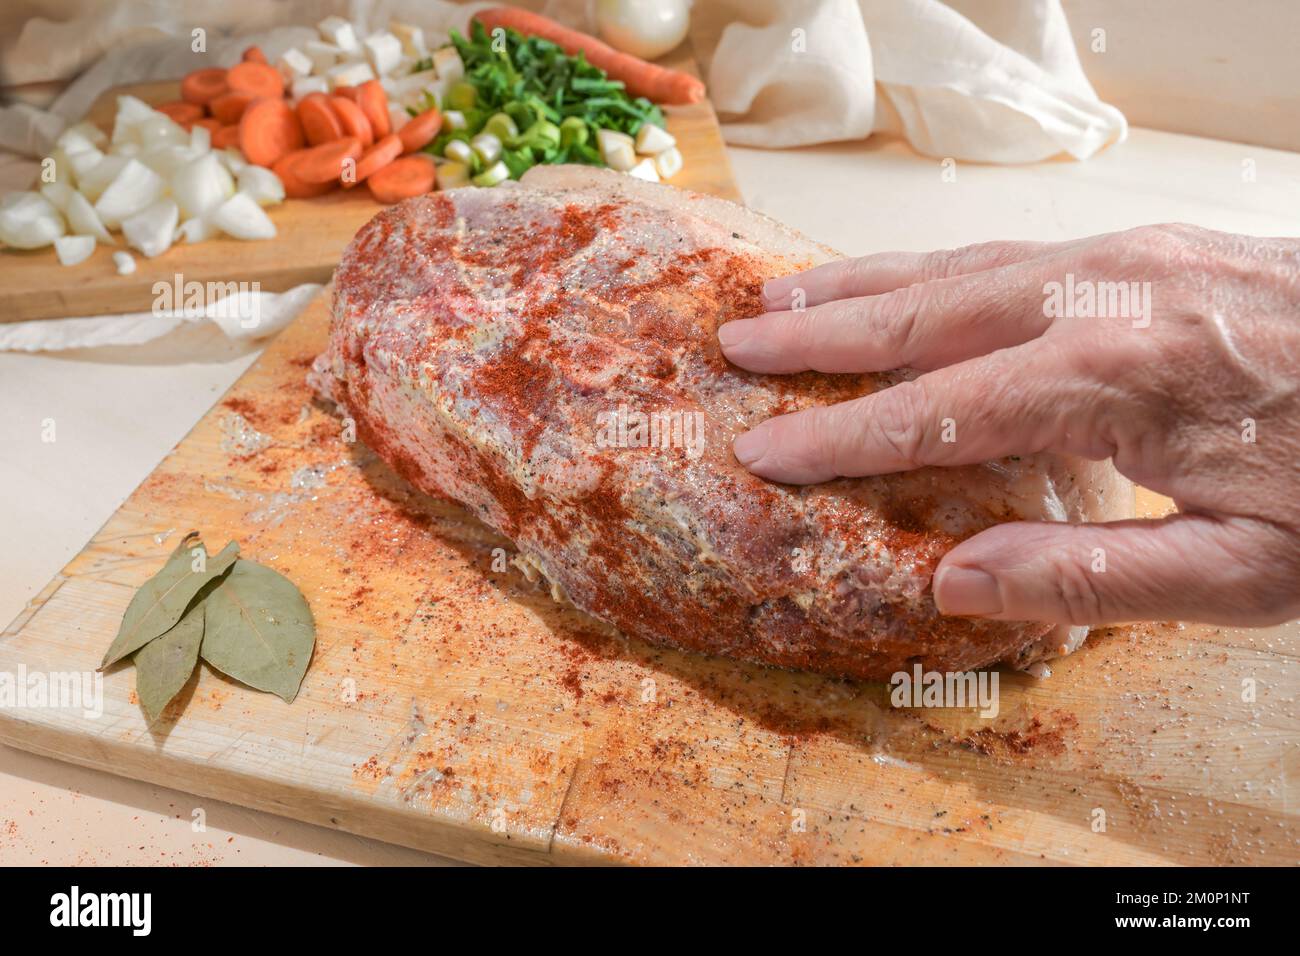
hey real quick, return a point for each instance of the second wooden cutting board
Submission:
(311, 233)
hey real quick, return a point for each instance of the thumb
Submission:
(1183, 567)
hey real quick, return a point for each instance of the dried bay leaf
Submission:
(164, 665)
(162, 600)
(259, 630)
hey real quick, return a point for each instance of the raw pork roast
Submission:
(506, 348)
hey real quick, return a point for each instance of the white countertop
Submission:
(118, 411)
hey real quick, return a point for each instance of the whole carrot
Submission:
(641, 78)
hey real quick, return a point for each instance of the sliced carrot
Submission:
(376, 158)
(229, 107)
(294, 187)
(353, 120)
(254, 54)
(268, 129)
(347, 92)
(325, 163)
(259, 79)
(203, 86)
(402, 179)
(320, 123)
(650, 80)
(181, 112)
(374, 103)
(225, 137)
(420, 130)
(212, 124)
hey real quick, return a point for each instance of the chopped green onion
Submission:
(462, 95)
(497, 173)
(574, 130)
(525, 101)
(451, 175)
(501, 126)
(459, 151)
(487, 146)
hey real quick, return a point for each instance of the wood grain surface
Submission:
(310, 236)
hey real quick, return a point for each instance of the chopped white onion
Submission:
(201, 185)
(198, 229)
(167, 160)
(241, 217)
(322, 55)
(29, 221)
(152, 230)
(341, 33)
(131, 112)
(83, 219)
(448, 63)
(294, 63)
(384, 51)
(306, 85)
(261, 185)
(59, 194)
(412, 39)
(75, 140)
(132, 190)
(161, 131)
(200, 138)
(669, 163)
(232, 159)
(95, 180)
(73, 250)
(651, 140)
(81, 163)
(645, 169)
(90, 131)
(617, 149)
(351, 73)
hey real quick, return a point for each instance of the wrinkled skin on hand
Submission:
(1202, 405)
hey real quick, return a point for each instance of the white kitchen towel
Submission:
(980, 80)
(242, 316)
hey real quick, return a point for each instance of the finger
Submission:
(1184, 567)
(1017, 401)
(887, 271)
(923, 326)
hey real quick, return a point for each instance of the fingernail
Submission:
(751, 446)
(966, 591)
(777, 291)
(731, 334)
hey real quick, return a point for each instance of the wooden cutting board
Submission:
(310, 236)
(453, 707)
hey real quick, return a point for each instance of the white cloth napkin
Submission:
(979, 80)
(273, 311)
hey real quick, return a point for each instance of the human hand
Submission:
(1193, 392)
